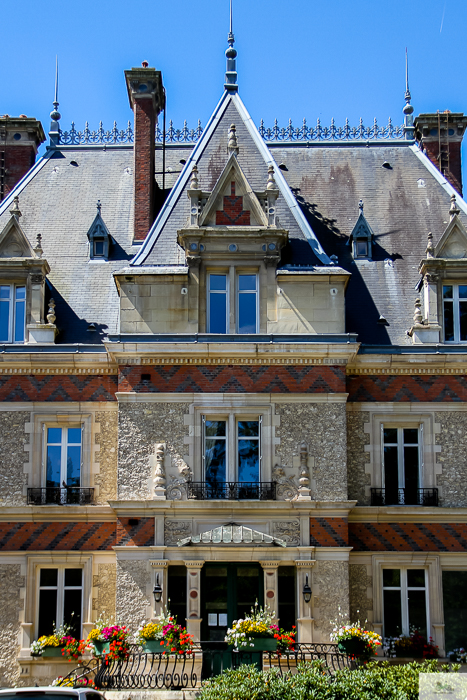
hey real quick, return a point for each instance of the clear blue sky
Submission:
(297, 58)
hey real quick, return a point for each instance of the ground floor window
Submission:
(286, 593)
(404, 601)
(176, 592)
(455, 609)
(60, 600)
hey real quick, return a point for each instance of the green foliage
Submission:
(382, 681)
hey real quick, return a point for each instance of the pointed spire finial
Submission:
(231, 55)
(430, 251)
(232, 146)
(194, 184)
(55, 115)
(99, 206)
(360, 206)
(38, 249)
(408, 109)
(453, 209)
(272, 185)
(15, 210)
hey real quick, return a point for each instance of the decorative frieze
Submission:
(175, 530)
(288, 530)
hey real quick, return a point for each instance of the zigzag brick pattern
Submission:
(75, 536)
(233, 379)
(329, 532)
(58, 388)
(233, 214)
(405, 388)
(408, 537)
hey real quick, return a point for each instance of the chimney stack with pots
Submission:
(20, 138)
(440, 136)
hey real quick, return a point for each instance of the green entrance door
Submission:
(228, 591)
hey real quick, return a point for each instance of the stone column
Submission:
(193, 605)
(159, 567)
(271, 598)
(305, 620)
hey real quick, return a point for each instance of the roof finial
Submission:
(38, 249)
(453, 209)
(231, 54)
(271, 181)
(15, 210)
(408, 109)
(430, 251)
(194, 183)
(232, 146)
(360, 206)
(55, 115)
(99, 206)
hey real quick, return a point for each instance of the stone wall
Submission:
(361, 607)
(105, 584)
(133, 603)
(330, 585)
(453, 457)
(140, 427)
(322, 427)
(11, 604)
(106, 480)
(13, 456)
(357, 458)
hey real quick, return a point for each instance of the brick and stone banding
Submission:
(408, 537)
(404, 388)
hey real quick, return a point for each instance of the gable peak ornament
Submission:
(232, 146)
(272, 185)
(453, 209)
(15, 210)
(194, 183)
(430, 251)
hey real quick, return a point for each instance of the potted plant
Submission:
(285, 640)
(164, 636)
(414, 645)
(354, 640)
(256, 632)
(105, 632)
(59, 643)
(457, 656)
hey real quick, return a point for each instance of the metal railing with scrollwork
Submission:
(404, 497)
(303, 133)
(72, 495)
(232, 490)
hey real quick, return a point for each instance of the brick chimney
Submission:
(440, 136)
(20, 137)
(146, 95)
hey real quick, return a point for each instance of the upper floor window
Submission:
(12, 313)
(60, 600)
(63, 456)
(246, 303)
(401, 464)
(404, 601)
(455, 313)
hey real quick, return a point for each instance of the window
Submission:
(60, 600)
(63, 456)
(401, 465)
(218, 303)
(98, 249)
(12, 313)
(404, 601)
(455, 313)
(360, 248)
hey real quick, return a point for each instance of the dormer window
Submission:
(360, 249)
(99, 237)
(98, 249)
(455, 313)
(361, 237)
(12, 313)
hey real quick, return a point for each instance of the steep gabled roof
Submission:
(210, 156)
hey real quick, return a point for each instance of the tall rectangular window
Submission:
(60, 600)
(404, 601)
(12, 313)
(248, 450)
(217, 303)
(63, 456)
(215, 452)
(455, 313)
(247, 306)
(401, 465)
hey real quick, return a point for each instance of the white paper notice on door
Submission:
(212, 619)
(222, 619)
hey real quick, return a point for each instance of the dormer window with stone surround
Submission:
(455, 313)
(12, 313)
(361, 237)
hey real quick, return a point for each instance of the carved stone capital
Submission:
(271, 260)
(193, 260)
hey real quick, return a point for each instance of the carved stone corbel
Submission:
(159, 472)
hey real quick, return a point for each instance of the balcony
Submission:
(232, 490)
(71, 496)
(404, 497)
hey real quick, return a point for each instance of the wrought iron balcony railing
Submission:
(404, 497)
(72, 495)
(232, 490)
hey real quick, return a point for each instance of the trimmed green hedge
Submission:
(375, 681)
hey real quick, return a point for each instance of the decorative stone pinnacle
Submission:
(233, 145)
(194, 184)
(15, 210)
(38, 249)
(417, 317)
(454, 209)
(51, 313)
(429, 246)
(271, 181)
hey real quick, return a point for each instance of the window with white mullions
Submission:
(404, 601)
(455, 313)
(12, 313)
(60, 600)
(217, 303)
(401, 464)
(215, 451)
(222, 438)
(247, 306)
(63, 456)
(249, 450)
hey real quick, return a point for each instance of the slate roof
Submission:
(58, 200)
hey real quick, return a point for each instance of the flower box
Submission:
(101, 648)
(53, 651)
(154, 646)
(258, 644)
(353, 647)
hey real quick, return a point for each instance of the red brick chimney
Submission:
(146, 95)
(20, 137)
(440, 136)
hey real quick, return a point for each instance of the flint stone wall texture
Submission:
(13, 457)
(322, 428)
(140, 427)
(331, 578)
(107, 456)
(359, 582)
(132, 600)
(453, 458)
(357, 458)
(105, 582)
(10, 606)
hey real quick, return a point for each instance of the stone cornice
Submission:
(52, 513)
(409, 364)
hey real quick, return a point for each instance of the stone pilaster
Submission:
(305, 620)
(193, 582)
(159, 567)
(271, 598)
